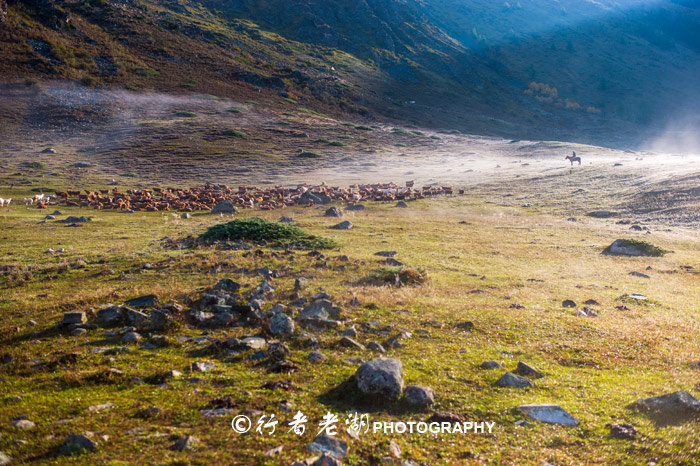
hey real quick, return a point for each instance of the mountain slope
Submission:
(589, 71)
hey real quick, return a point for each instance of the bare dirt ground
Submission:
(140, 139)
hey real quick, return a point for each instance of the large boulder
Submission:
(109, 316)
(381, 377)
(671, 408)
(281, 325)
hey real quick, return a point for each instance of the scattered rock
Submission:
(344, 225)
(390, 261)
(277, 351)
(185, 216)
(551, 414)
(355, 207)
(401, 204)
(252, 343)
(285, 219)
(381, 376)
(5, 459)
(568, 303)
(671, 408)
(274, 451)
(202, 366)
(601, 214)
(329, 445)
(316, 357)
(149, 300)
(131, 337)
(395, 450)
(490, 365)
(109, 316)
(101, 407)
(527, 370)
(514, 381)
(73, 318)
(374, 346)
(75, 444)
(419, 396)
(639, 274)
(622, 431)
(333, 212)
(625, 247)
(350, 343)
(320, 309)
(76, 332)
(281, 325)
(224, 207)
(386, 253)
(188, 442)
(24, 424)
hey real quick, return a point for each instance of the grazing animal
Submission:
(573, 158)
(5, 202)
(28, 200)
(409, 184)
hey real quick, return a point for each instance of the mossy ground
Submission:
(477, 270)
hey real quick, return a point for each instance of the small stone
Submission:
(333, 212)
(202, 366)
(188, 442)
(286, 219)
(300, 283)
(109, 316)
(514, 381)
(382, 377)
(101, 407)
(76, 443)
(316, 357)
(5, 459)
(224, 207)
(277, 351)
(185, 216)
(551, 414)
(149, 300)
(281, 325)
(173, 374)
(419, 396)
(253, 343)
(350, 343)
(639, 274)
(374, 346)
(329, 445)
(622, 431)
(395, 450)
(345, 225)
(350, 332)
(386, 253)
(72, 318)
(490, 365)
(401, 204)
(24, 424)
(568, 303)
(274, 451)
(527, 370)
(131, 337)
(76, 332)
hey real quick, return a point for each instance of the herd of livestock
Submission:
(206, 197)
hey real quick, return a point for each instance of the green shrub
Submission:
(400, 131)
(309, 155)
(252, 102)
(648, 249)
(363, 128)
(145, 71)
(131, 87)
(235, 133)
(33, 164)
(312, 112)
(186, 114)
(291, 101)
(257, 229)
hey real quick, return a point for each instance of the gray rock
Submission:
(76, 332)
(527, 370)
(73, 318)
(345, 225)
(24, 424)
(160, 319)
(149, 300)
(568, 303)
(374, 346)
(382, 377)
(320, 309)
(622, 247)
(395, 450)
(386, 253)
(281, 325)
(300, 283)
(329, 445)
(622, 431)
(355, 207)
(639, 274)
(101, 407)
(75, 444)
(277, 351)
(419, 396)
(514, 381)
(390, 261)
(110, 316)
(316, 357)
(349, 332)
(5, 459)
(227, 285)
(551, 414)
(673, 407)
(350, 343)
(333, 212)
(224, 207)
(188, 442)
(185, 216)
(274, 451)
(401, 204)
(252, 343)
(490, 365)
(134, 317)
(285, 219)
(601, 214)
(131, 337)
(202, 366)
(354, 361)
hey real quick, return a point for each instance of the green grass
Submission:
(34, 164)
(312, 112)
(185, 114)
(235, 133)
(364, 128)
(256, 229)
(290, 100)
(236, 109)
